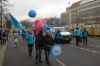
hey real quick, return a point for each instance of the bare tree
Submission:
(4, 4)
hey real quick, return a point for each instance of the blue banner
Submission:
(15, 23)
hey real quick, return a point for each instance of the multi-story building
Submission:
(53, 21)
(74, 12)
(68, 15)
(89, 11)
(83, 12)
(64, 18)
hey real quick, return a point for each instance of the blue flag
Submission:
(15, 23)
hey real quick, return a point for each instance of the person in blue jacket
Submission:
(85, 36)
(30, 39)
(78, 35)
(58, 36)
(81, 35)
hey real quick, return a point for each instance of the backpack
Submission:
(58, 35)
(85, 34)
(4, 34)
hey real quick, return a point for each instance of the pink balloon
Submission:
(39, 24)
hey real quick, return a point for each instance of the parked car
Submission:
(52, 30)
(66, 37)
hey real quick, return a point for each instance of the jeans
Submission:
(30, 48)
(77, 40)
(39, 54)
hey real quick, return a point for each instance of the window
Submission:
(90, 5)
(98, 3)
(95, 4)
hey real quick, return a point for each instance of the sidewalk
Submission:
(0, 46)
(2, 53)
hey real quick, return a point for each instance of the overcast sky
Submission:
(44, 8)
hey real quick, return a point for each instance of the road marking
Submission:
(60, 62)
(95, 52)
(2, 55)
(95, 46)
(82, 48)
(86, 49)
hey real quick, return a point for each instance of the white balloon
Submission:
(56, 51)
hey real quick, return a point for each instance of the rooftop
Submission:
(76, 4)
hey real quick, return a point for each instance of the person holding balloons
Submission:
(48, 42)
(43, 40)
(58, 36)
(39, 47)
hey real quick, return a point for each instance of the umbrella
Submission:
(39, 24)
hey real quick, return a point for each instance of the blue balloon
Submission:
(32, 13)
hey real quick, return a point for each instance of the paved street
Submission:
(71, 55)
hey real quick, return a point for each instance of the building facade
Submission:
(74, 12)
(89, 12)
(83, 12)
(63, 18)
(68, 16)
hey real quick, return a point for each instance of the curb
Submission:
(2, 54)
